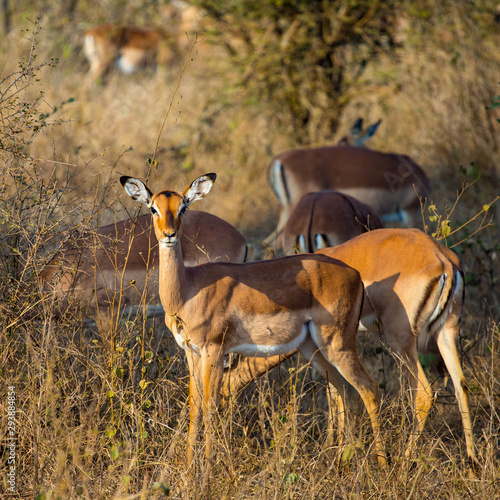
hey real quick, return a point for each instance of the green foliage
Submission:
(21, 119)
(302, 57)
(495, 103)
(427, 360)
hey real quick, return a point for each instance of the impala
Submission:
(414, 293)
(114, 267)
(391, 184)
(305, 302)
(326, 219)
(126, 47)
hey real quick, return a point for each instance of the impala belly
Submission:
(273, 348)
(125, 66)
(131, 60)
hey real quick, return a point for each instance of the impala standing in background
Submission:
(391, 184)
(414, 293)
(306, 302)
(128, 48)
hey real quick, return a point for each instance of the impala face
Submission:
(167, 209)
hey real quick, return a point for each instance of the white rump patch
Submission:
(301, 243)
(438, 309)
(89, 46)
(125, 66)
(320, 241)
(279, 188)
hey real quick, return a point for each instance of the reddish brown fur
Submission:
(129, 47)
(403, 271)
(336, 216)
(311, 302)
(387, 182)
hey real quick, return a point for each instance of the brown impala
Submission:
(414, 293)
(326, 219)
(127, 48)
(306, 302)
(391, 184)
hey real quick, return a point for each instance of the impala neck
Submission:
(173, 279)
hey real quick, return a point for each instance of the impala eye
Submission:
(153, 210)
(182, 210)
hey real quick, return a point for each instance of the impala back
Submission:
(326, 219)
(390, 183)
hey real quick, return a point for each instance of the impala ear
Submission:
(136, 189)
(370, 131)
(199, 188)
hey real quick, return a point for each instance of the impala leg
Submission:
(195, 414)
(248, 369)
(213, 371)
(336, 413)
(421, 394)
(97, 69)
(354, 372)
(273, 238)
(310, 351)
(341, 353)
(446, 341)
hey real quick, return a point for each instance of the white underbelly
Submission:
(265, 351)
(185, 343)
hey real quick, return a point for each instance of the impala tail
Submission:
(445, 292)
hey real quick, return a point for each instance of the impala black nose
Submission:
(171, 235)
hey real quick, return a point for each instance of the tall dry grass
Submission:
(101, 422)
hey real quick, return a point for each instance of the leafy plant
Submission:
(302, 57)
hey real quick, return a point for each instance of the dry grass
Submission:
(96, 422)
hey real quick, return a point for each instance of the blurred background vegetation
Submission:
(261, 77)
